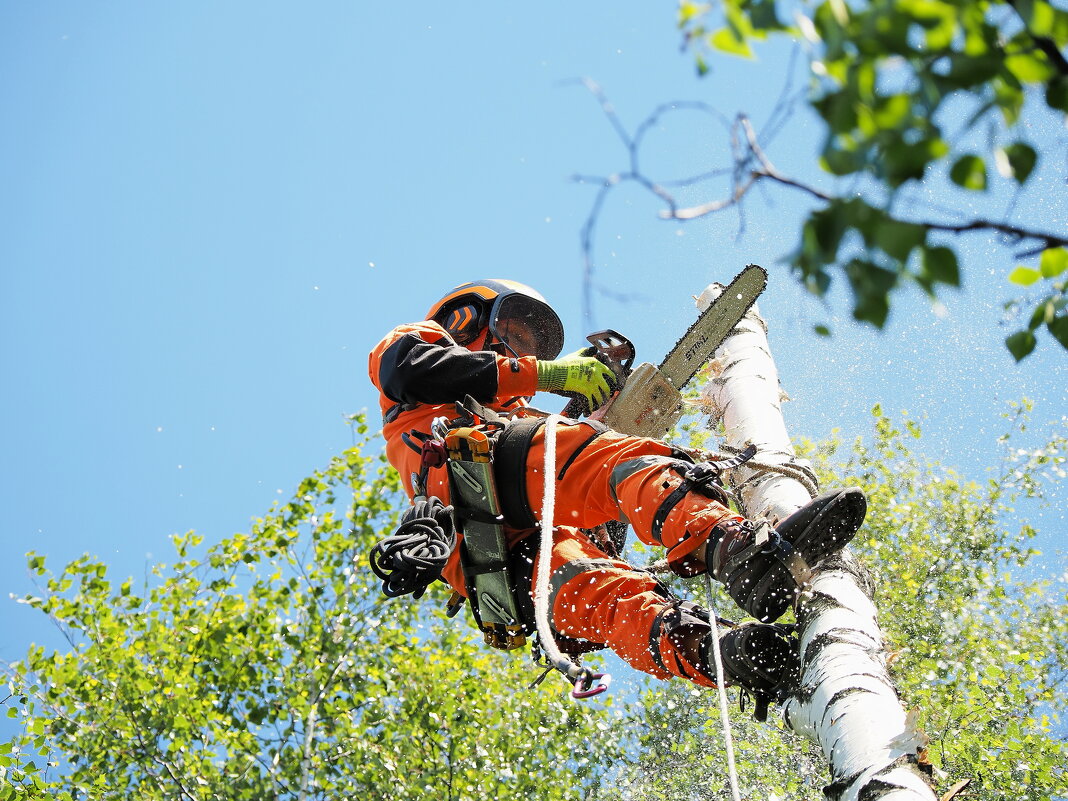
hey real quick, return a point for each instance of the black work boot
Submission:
(762, 659)
(765, 569)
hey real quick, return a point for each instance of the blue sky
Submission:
(211, 212)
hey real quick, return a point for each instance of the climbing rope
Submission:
(412, 559)
(721, 686)
(799, 472)
(585, 679)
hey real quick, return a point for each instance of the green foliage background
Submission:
(976, 630)
(952, 94)
(273, 667)
(270, 666)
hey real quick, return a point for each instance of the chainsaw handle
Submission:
(614, 351)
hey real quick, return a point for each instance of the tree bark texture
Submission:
(845, 701)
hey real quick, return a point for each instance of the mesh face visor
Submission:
(527, 327)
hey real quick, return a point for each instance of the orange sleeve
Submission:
(420, 363)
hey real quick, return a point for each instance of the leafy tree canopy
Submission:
(976, 630)
(270, 665)
(913, 92)
(273, 667)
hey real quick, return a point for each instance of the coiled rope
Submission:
(412, 558)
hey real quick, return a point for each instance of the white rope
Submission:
(724, 717)
(541, 596)
(791, 469)
(545, 549)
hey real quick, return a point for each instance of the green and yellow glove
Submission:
(578, 375)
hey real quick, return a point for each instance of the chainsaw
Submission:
(649, 402)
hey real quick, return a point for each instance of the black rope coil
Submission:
(412, 558)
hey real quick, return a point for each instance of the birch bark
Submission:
(845, 700)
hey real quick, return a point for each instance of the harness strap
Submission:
(469, 406)
(409, 437)
(510, 467)
(704, 478)
(677, 614)
(464, 512)
(487, 567)
(396, 410)
(598, 429)
(768, 542)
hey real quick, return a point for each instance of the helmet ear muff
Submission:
(464, 322)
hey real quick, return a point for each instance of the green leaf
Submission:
(898, 238)
(969, 172)
(871, 286)
(1029, 68)
(840, 162)
(689, 10)
(822, 330)
(1016, 161)
(1009, 99)
(763, 15)
(1024, 276)
(890, 112)
(1020, 344)
(902, 162)
(1054, 262)
(1043, 314)
(1043, 19)
(967, 71)
(1059, 328)
(839, 110)
(1057, 93)
(940, 265)
(726, 40)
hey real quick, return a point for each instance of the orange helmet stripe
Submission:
(460, 319)
(483, 292)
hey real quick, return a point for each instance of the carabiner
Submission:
(584, 684)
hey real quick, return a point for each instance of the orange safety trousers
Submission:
(593, 595)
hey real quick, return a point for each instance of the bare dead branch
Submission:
(750, 167)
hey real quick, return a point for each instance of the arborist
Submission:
(475, 362)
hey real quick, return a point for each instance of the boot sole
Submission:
(831, 527)
(759, 658)
(823, 531)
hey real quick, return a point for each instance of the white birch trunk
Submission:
(845, 701)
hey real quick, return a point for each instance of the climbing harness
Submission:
(482, 452)
(484, 552)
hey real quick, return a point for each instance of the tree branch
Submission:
(1046, 45)
(750, 167)
(1017, 232)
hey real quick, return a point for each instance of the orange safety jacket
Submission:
(420, 373)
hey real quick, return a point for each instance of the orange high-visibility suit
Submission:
(601, 475)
